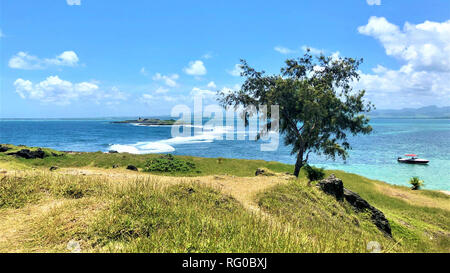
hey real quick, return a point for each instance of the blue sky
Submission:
(101, 58)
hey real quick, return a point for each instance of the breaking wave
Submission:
(208, 135)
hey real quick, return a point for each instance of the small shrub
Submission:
(416, 183)
(313, 173)
(168, 163)
(264, 172)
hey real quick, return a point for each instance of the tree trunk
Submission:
(298, 163)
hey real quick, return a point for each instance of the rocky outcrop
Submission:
(28, 154)
(361, 205)
(4, 149)
(132, 168)
(334, 186)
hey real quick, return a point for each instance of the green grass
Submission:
(331, 225)
(17, 191)
(203, 166)
(146, 214)
(184, 218)
(412, 225)
(143, 216)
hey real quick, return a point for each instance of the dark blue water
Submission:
(373, 155)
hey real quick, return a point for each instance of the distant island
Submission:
(149, 121)
(423, 112)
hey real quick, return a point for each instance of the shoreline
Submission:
(70, 152)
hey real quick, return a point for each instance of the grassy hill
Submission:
(216, 205)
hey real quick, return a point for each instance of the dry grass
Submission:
(416, 198)
(43, 210)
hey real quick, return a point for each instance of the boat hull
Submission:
(413, 161)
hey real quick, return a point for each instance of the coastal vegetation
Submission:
(168, 164)
(318, 107)
(217, 206)
(416, 183)
(313, 173)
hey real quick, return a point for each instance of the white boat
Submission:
(412, 159)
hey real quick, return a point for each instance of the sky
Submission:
(114, 58)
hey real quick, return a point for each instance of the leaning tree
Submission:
(318, 107)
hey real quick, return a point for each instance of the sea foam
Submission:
(208, 135)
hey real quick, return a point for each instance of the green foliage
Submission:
(169, 163)
(184, 219)
(318, 109)
(313, 173)
(416, 183)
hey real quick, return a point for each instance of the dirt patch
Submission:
(412, 197)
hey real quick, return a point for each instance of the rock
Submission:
(115, 166)
(4, 149)
(332, 185)
(264, 172)
(361, 205)
(53, 168)
(27, 154)
(132, 168)
(74, 246)
(113, 152)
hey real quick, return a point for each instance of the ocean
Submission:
(373, 156)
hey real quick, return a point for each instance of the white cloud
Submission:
(374, 2)
(203, 92)
(67, 58)
(168, 80)
(284, 50)
(207, 56)
(422, 46)
(73, 2)
(195, 68)
(424, 77)
(151, 99)
(1, 33)
(172, 98)
(54, 90)
(229, 90)
(112, 97)
(212, 84)
(161, 90)
(23, 60)
(146, 98)
(143, 71)
(312, 50)
(236, 70)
